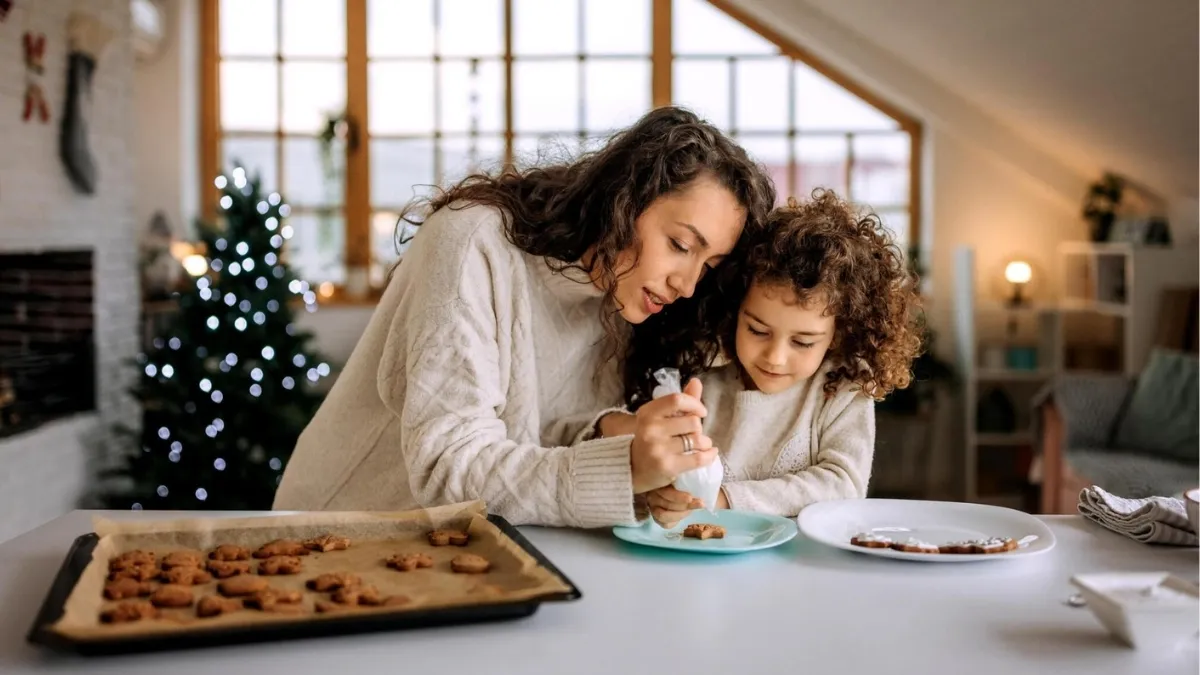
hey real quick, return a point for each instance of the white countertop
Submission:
(799, 608)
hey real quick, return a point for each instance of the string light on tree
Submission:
(231, 378)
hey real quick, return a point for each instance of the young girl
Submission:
(815, 318)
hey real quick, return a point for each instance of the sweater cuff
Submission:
(602, 482)
(591, 430)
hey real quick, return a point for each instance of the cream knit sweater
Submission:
(473, 380)
(787, 450)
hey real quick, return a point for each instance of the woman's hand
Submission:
(656, 455)
(668, 506)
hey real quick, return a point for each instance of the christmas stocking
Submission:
(87, 38)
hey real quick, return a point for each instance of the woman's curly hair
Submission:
(820, 247)
(560, 211)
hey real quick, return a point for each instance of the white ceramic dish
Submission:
(834, 523)
(1145, 610)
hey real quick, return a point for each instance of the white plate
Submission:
(834, 523)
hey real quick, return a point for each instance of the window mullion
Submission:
(357, 202)
(508, 82)
(661, 54)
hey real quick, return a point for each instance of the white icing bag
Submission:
(703, 483)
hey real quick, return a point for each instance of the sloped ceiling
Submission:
(1099, 84)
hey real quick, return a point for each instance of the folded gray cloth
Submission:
(1155, 520)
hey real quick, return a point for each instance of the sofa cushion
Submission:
(1162, 416)
(1132, 474)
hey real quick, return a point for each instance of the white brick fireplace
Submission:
(45, 472)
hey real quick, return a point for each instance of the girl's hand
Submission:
(668, 506)
(656, 455)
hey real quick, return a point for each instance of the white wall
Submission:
(43, 472)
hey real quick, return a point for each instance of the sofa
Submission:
(1134, 436)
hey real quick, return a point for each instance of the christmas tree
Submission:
(228, 386)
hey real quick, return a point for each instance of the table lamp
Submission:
(1018, 273)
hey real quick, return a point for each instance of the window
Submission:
(351, 108)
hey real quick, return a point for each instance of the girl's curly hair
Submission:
(563, 210)
(822, 246)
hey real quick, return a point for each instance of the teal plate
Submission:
(745, 531)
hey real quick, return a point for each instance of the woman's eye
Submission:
(803, 345)
(755, 332)
(678, 246)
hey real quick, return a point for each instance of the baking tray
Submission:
(80, 555)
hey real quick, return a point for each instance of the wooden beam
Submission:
(915, 158)
(210, 106)
(357, 206)
(790, 48)
(661, 54)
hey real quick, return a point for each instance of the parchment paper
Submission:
(514, 575)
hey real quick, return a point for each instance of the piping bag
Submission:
(703, 483)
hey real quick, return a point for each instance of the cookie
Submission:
(913, 545)
(242, 584)
(994, 545)
(186, 576)
(332, 581)
(136, 572)
(448, 538)
(325, 606)
(704, 531)
(469, 563)
(229, 552)
(409, 561)
(127, 588)
(281, 564)
(871, 540)
(267, 599)
(130, 559)
(129, 610)
(172, 595)
(215, 605)
(223, 569)
(959, 547)
(357, 595)
(182, 559)
(327, 542)
(281, 547)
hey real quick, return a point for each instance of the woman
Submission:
(495, 352)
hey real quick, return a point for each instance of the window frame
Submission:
(357, 205)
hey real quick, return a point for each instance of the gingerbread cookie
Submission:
(228, 552)
(182, 559)
(172, 595)
(913, 545)
(128, 559)
(469, 563)
(448, 538)
(409, 561)
(994, 545)
(357, 595)
(136, 572)
(325, 607)
(186, 576)
(223, 569)
(268, 598)
(242, 584)
(129, 610)
(332, 581)
(287, 547)
(704, 531)
(959, 547)
(127, 588)
(871, 540)
(281, 564)
(327, 542)
(215, 605)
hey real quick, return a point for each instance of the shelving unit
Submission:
(985, 330)
(1114, 290)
